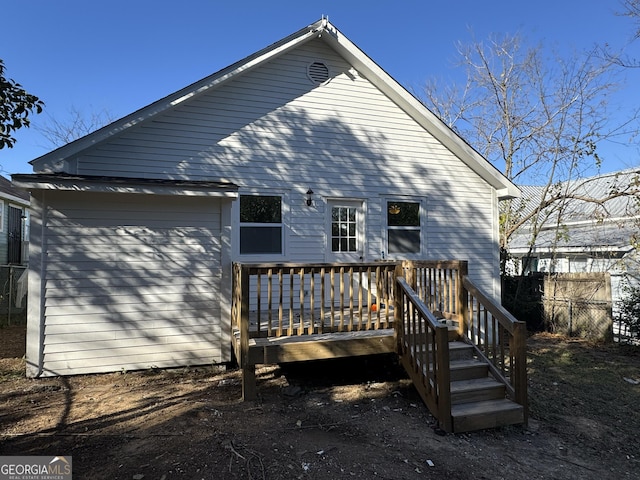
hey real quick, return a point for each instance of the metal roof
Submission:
(586, 221)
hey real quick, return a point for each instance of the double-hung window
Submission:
(404, 232)
(261, 227)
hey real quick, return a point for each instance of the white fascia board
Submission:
(420, 113)
(144, 189)
(174, 99)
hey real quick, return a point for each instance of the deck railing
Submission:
(496, 335)
(499, 338)
(438, 284)
(300, 299)
(423, 344)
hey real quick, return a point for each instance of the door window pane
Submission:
(344, 229)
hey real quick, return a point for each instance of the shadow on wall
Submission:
(130, 282)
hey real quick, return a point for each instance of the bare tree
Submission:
(60, 131)
(621, 56)
(539, 119)
(631, 9)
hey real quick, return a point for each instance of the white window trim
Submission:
(286, 230)
(3, 212)
(422, 201)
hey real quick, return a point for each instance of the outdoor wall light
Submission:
(309, 199)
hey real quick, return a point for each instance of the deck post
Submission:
(463, 298)
(398, 308)
(443, 379)
(519, 347)
(248, 371)
(410, 272)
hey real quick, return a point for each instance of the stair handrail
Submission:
(484, 308)
(423, 346)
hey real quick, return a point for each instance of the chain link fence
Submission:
(13, 295)
(579, 318)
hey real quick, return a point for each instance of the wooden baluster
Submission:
(369, 298)
(280, 302)
(291, 319)
(322, 298)
(341, 326)
(312, 305)
(360, 299)
(350, 324)
(378, 298)
(259, 306)
(301, 327)
(270, 301)
(332, 296)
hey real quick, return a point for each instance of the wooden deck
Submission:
(294, 313)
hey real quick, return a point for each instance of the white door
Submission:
(345, 231)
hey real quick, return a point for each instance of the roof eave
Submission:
(96, 184)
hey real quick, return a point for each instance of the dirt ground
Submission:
(357, 418)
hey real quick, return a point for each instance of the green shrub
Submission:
(630, 309)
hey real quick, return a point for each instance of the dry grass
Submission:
(587, 390)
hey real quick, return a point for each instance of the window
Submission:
(344, 229)
(403, 228)
(260, 225)
(529, 265)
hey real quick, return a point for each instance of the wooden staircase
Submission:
(478, 401)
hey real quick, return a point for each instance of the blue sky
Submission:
(122, 55)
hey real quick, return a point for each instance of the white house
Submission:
(306, 151)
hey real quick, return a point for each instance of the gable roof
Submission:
(13, 194)
(327, 32)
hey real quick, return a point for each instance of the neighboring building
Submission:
(14, 224)
(591, 236)
(306, 151)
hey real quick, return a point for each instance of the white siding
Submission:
(127, 282)
(272, 128)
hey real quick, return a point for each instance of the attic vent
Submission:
(318, 72)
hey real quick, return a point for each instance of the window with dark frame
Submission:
(260, 224)
(403, 227)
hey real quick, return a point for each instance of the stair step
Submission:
(486, 414)
(453, 334)
(476, 390)
(467, 369)
(460, 351)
